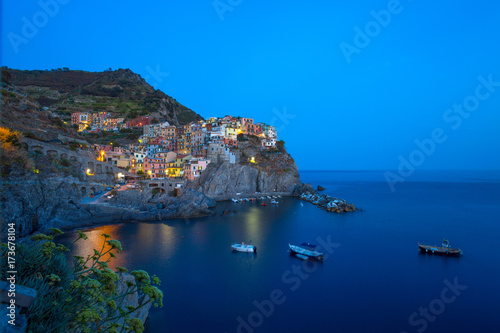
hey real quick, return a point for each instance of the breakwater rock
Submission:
(328, 203)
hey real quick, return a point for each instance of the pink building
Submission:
(155, 167)
(194, 168)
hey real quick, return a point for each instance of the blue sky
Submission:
(282, 63)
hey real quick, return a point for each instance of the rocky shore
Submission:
(328, 203)
(36, 203)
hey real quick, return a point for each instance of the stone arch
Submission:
(37, 149)
(92, 190)
(98, 168)
(84, 190)
(90, 166)
(63, 155)
(25, 145)
(52, 153)
(153, 185)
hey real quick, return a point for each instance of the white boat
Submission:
(274, 202)
(269, 197)
(243, 247)
(306, 250)
(235, 200)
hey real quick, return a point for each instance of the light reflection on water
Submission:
(366, 283)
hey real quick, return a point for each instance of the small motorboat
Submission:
(274, 202)
(235, 200)
(306, 250)
(243, 247)
(444, 249)
(263, 204)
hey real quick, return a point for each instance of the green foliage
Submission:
(12, 153)
(280, 145)
(64, 162)
(82, 297)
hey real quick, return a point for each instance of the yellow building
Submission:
(231, 132)
(176, 168)
(169, 132)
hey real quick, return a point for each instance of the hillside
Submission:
(121, 92)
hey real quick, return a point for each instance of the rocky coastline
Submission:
(328, 203)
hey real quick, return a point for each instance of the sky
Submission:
(350, 85)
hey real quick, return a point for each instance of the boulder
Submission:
(321, 188)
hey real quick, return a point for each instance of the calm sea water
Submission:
(373, 279)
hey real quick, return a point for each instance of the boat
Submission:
(307, 250)
(263, 204)
(274, 202)
(235, 200)
(243, 247)
(444, 249)
(301, 256)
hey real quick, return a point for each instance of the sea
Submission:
(373, 279)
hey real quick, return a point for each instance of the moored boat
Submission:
(243, 247)
(444, 249)
(307, 250)
(274, 202)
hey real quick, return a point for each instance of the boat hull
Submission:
(438, 250)
(243, 248)
(303, 252)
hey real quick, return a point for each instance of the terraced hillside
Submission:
(121, 92)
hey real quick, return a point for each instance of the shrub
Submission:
(81, 297)
(11, 151)
(280, 145)
(64, 162)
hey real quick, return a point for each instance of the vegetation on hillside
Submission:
(121, 92)
(12, 152)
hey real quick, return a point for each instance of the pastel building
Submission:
(194, 168)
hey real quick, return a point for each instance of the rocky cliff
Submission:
(274, 172)
(36, 202)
